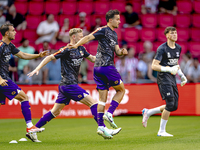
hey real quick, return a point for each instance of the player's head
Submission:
(75, 34)
(113, 18)
(8, 31)
(171, 34)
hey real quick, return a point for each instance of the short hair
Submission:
(4, 28)
(129, 4)
(110, 14)
(169, 29)
(74, 31)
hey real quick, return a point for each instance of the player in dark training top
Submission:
(166, 63)
(7, 87)
(68, 88)
(105, 73)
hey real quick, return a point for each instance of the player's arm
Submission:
(157, 67)
(42, 64)
(27, 56)
(3, 82)
(82, 41)
(91, 58)
(120, 52)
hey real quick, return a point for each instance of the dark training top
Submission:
(167, 57)
(70, 63)
(5, 55)
(107, 39)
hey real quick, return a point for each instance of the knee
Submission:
(121, 90)
(56, 112)
(170, 104)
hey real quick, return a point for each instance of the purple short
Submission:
(106, 76)
(68, 92)
(9, 91)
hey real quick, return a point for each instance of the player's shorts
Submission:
(106, 76)
(9, 91)
(168, 91)
(68, 92)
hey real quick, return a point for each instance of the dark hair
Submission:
(169, 29)
(110, 14)
(4, 28)
(129, 4)
(23, 39)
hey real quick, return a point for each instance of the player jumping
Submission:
(105, 73)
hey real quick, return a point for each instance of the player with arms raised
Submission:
(69, 89)
(7, 87)
(105, 73)
(166, 63)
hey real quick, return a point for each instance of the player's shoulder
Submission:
(1, 44)
(162, 46)
(178, 46)
(103, 28)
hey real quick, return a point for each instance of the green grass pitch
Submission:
(80, 134)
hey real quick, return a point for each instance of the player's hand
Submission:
(183, 80)
(124, 51)
(44, 53)
(3, 82)
(174, 69)
(33, 72)
(71, 46)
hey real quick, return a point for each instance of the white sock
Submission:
(162, 125)
(30, 124)
(153, 111)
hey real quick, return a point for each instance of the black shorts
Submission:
(168, 91)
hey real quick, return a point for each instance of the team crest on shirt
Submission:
(81, 53)
(177, 54)
(168, 55)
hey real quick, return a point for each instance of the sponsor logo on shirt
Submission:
(81, 53)
(173, 61)
(77, 62)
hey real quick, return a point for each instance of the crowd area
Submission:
(44, 25)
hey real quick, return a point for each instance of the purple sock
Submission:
(26, 111)
(113, 106)
(100, 119)
(94, 111)
(46, 118)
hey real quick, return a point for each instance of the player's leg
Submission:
(171, 105)
(26, 111)
(146, 113)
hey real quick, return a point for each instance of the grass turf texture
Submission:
(75, 134)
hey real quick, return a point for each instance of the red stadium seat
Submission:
(59, 45)
(160, 34)
(134, 45)
(195, 34)
(196, 6)
(92, 47)
(194, 48)
(165, 20)
(103, 19)
(119, 34)
(184, 6)
(148, 34)
(18, 37)
(131, 35)
(52, 7)
(68, 8)
(149, 20)
(33, 21)
(101, 7)
(156, 45)
(183, 34)
(137, 6)
(86, 7)
(36, 8)
(21, 7)
(119, 5)
(196, 20)
(87, 19)
(184, 47)
(70, 17)
(31, 35)
(183, 20)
